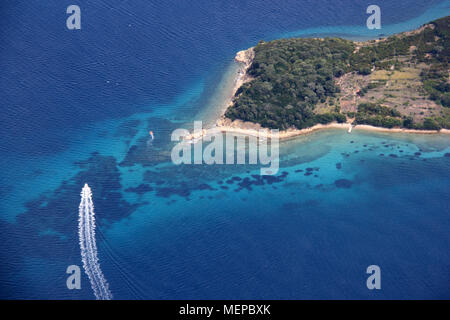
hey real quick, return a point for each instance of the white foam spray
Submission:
(88, 246)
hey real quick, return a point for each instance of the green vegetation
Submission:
(293, 76)
(436, 84)
(381, 116)
(436, 80)
(377, 115)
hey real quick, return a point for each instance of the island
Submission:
(399, 83)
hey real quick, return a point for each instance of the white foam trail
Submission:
(88, 246)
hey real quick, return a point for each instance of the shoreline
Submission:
(245, 59)
(239, 127)
(223, 124)
(234, 76)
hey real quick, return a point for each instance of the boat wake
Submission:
(88, 246)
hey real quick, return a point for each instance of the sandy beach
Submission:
(247, 128)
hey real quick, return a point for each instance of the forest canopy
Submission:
(292, 76)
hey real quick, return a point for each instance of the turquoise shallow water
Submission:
(307, 236)
(339, 203)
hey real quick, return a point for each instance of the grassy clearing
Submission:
(407, 74)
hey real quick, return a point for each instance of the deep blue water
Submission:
(76, 107)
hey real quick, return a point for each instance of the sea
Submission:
(76, 107)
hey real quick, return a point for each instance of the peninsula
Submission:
(400, 83)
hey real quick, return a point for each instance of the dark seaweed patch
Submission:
(259, 180)
(343, 183)
(273, 179)
(245, 184)
(141, 189)
(393, 155)
(204, 186)
(136, 154)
